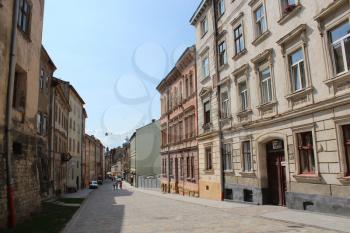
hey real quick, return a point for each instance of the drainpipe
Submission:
(222, 180)
(8, 131)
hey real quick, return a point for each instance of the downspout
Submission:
(8, 127)
(51, 127)
(196, 112)
(222, 180)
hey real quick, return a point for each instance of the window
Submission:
(306, 153)
(181, 168)
(247, 156)
(19, 91)
(224, 105)
(340, 46)
(180, 130)
(260, 21)
(243, 92)
(171, 167)
(188, 166)
(208, 159)
(41, 79)
(226, 157)
(204, 26)
(207, 112)
(266, 85)
(346, 133)
(297, 70)
(221, 7)
(38, 123)
(24, 16)
(239, 39)
(222, 54)
(205, 67)
(191, 84)
(192, 167)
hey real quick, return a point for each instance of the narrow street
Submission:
(138, 211)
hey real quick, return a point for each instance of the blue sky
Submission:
(115, 53)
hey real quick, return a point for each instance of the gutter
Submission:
(215, 22)
(8, 127)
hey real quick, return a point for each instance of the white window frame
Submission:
(243, 96)
(205, 67)
(258, 21)
(204, 26)
(243, 164)
(225, 105)
(269, 79)
(298, 65)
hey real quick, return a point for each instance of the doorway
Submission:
(276, 173)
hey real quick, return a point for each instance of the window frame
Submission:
(225, 104)
(205, 66)
(297, 64)
(256, 20)
(220, 8)
(243, 96)
(208, 153)
(240, 38)
(24, 28)
(303, 129)
(222, 53)
(227, 157)
(262, 67)
(205, 118)
(204, 26)
(247, 168)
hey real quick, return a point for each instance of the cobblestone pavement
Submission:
(133, 211)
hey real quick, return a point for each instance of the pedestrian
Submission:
(121, 184)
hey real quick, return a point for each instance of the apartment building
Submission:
(20, 52)
(47, 68)
(178, 125)
(59, 135)
(92, 162)
(282, 78)
(76, 134)
(145, 153)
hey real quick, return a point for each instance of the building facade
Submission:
(208, 94)
(178, 122)
(92, 162)
(20, 70)
(47, 68)
(75, 139)
(59, 135)
(284, 112)
(145, 152)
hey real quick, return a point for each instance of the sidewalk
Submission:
(329, 222)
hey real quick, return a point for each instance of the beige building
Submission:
(92, 161)
(59, 135)
(18, 110)
(76, 134)
(281, 71)
(47, 68)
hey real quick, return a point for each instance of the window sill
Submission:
(289, 15)
(209, 172)
(228, 172)
(344, 180)
(300, 93)
(26, 35)
(248, 174)
(308, 178)
(223, 67)
(267, 105)
(244, 113)
(240, 54)
(205, 80)
(261, 37)
(339, 78)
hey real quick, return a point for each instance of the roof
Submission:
(198, 11)
(43, 50)
(187, 51)
(77, 94)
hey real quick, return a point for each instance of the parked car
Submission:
(100, 181)
(93, 185)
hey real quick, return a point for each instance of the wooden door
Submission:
(276, 178)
